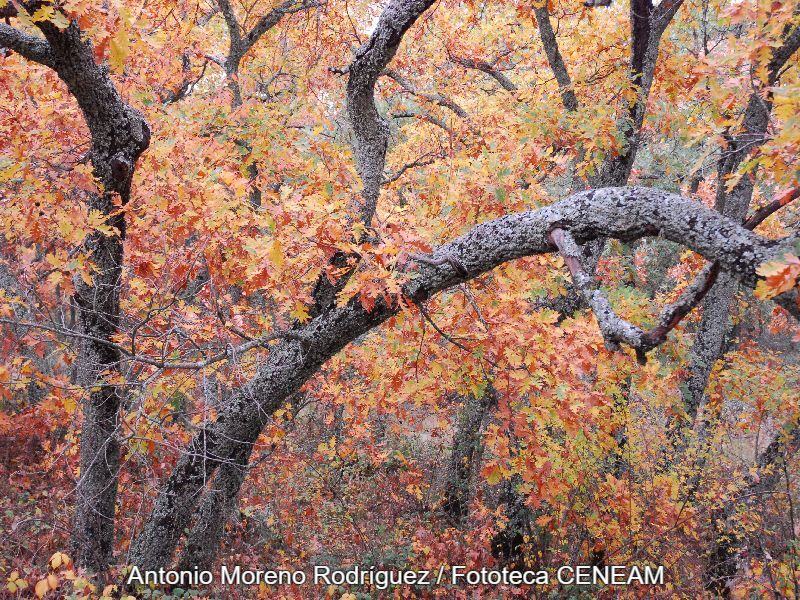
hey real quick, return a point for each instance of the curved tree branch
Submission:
(623, 213)
(439, 99)
(369, 128)
(29, 46)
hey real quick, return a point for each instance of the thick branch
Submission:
(370, 130)
(622, 213)
(31, 47)
(234, 29)
(273, 17)
(616, 330)
(782, 54)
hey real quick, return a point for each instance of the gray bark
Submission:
(370, 129)
(554, 58)
(370, 148)
(119, 135)
(465, 455)
(715, 322)
(647, 27)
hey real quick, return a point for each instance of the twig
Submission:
(161, 363)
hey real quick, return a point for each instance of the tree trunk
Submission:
(465, 455)
(119, 136)
(96, 491)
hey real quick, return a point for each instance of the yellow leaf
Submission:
(41, 588)
(59, 20)
(120, 45)
(493, 474)
(276, 253)
(226, 178)
(300, 313)
(55, 278)
(70, 406)
(59, 558)
(45, 13)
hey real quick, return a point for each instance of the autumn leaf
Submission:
(119, 44)
(780, 276)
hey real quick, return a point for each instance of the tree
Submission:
(218, 291)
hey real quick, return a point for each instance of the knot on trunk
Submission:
(120, 167)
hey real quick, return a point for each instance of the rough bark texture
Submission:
(648, 24)
(554, 58)
(647, 27)
(371, 138)
(119, 135)
(622, 213)
(734, 204)
(464, 455)
(218, 504)
(370, 130)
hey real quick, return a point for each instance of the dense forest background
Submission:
(407, 284)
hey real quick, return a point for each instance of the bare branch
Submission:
(428, 159)
(425, 116)
(439, 99)
(273, 17)
(228, 353)
(554, 57)
(484, 67)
